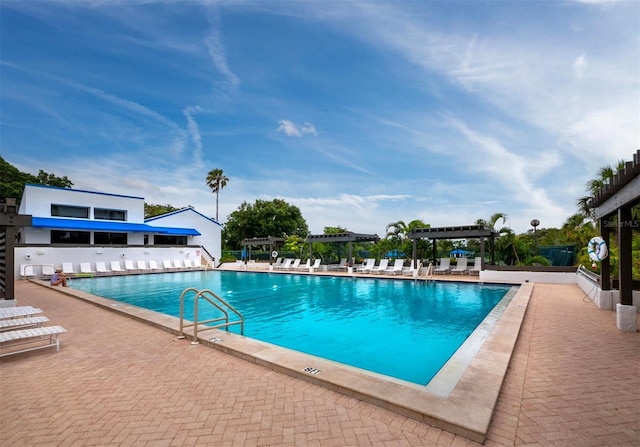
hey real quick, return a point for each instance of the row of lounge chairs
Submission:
(22, 327)
(398, 268)
(294, 264)
(460, 269)
(115, 268)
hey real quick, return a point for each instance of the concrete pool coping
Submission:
(464, 408)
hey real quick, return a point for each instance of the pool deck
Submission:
(573, 379)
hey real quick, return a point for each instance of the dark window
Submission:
(105, 214)
(109, 238)
(70, 237)
(169, 240)
(70, 211)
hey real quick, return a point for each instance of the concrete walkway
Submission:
(574, 380)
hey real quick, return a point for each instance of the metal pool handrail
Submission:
(215, 301)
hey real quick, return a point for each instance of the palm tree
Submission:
(605, 176)
(493, 220)
(216, 180)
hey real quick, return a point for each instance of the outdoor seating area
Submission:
(101, 268)
(368, 266)
(22, 327)
(461, 268)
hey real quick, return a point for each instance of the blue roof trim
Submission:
(82, 190)
(108, 225)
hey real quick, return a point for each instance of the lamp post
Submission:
(534, 224)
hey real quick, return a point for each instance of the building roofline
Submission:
(181, 211)
(82, 190)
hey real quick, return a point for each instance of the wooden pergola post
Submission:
(10, 220)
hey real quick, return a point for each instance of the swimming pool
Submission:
(399, 328)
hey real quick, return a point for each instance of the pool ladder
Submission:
(218, 303)
(429, 273)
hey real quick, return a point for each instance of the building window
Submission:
(70, 237)
(169, 240)
(69, 211)
(109, 238)
(106, 214)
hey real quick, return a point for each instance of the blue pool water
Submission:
(400, 328)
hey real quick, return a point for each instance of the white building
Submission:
(76, 226)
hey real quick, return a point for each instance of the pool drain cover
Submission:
(311, 370)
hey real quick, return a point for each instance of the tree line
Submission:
(277, 218)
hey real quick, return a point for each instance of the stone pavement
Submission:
(574, 380)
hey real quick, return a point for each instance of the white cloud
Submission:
(580, 65)
(294, 130)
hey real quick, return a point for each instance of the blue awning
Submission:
(107, 225)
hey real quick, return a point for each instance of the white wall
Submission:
(519, 277)
(37, 200)
(211, 231)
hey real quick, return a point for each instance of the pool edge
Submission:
(466, 411)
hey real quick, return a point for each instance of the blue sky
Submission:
(359, 113)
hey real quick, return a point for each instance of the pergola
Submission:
(617, 199)
(272, 242)
(349, 237)
(462, 232)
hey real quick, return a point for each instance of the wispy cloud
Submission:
(194, 132)
(217, 51)
(291, 129)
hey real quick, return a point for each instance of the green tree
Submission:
(151, 209)
(264, 218)
(216, 180)
(12, 181)
(605, 176)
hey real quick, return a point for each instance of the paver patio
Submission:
(574, 380)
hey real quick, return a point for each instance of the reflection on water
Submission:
(404, 329)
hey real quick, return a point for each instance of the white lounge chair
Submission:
(101, 268)
(9, 339)
(304, 266)
(397, 267)
(461, 268)
(153, 265)
(410, 269)
(188, 264)
(85, 268)
(295, 264)
(316, 264)
(277, 264)
(177, 264)
(115, 267)
(167, 265)
(26, 270)
(381, 267)
(444, 267)
(142, 266)
(477, 266)
(341, 265)
(129, 266)
(67, 268)
(286, 264)
(19, 311)
(22, 323)
(47, 271)
(366, 267)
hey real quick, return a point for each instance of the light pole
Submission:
(534, 224)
